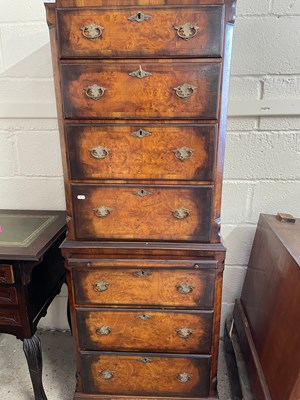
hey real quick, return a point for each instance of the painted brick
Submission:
(35, 65)
(28, 124)
(233, 280)
(56, 317)
(241, 193)
(282, 87)
(24, 40)
(238, 240)
(242, 123)
(32, 193)
(244, 88)
(274, 197)
(39, 153)
(278, 123)
(260, 46)
(256, 155)
(17, 11)
(286, 7)
(30, 91)
(254, 7)
(7, 155)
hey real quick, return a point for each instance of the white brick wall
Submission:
(262, 161)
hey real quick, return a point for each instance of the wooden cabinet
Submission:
(141, 92)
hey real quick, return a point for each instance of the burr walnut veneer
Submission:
(141, 90)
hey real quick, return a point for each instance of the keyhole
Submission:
(142, 191)
(139, 15)
(140, 132)
(143, 273)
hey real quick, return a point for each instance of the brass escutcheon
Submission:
(141, 273)
(92, 31)
(144, 317)
(184, 153)
(140, 73)
(186, 31)
(103, 330)
(139, 17)
(100, 286)
(185, 90)
(102, 212)
(107, 374)
(184, 377)
(145, 360)
(184, 333)
(181, 213)
(142, 193)
(99, 152)
(95, 91)
(141, 133)
(184, 288)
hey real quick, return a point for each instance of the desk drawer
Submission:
(10, 317)
(151, 287)
(145, 330)
(141, 32)
(185, 152)
(6, 274)
(8, 295)
(173, 90)
(142, 212)
(138, 375)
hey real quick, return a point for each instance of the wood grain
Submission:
(150, 97)
(6, 274)
(159, 288)
(8, 295)
(155, 37)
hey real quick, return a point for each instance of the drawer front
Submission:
(145, 330)
(131, 374)
(153, 31)
(10, 317)
(174, 90)
(8, 295)
(141, 152)
(145, 287)
(6, 274)
(142, 212)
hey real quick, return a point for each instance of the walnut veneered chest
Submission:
(142, 94)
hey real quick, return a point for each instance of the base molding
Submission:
(82, 396)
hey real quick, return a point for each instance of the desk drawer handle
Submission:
(184, 377)
(185, 90)
(99, 152)
(100, 286)
(139, 17)
(183, 154)
(102, 212)
(95, 91)
(181, 213)
(140, 73)
(103, 330)
(184, 288)
(186, 31)
(107, 374)
(184, 333)
(92, 31)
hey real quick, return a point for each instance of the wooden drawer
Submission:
(145, 374)
(155, 36)
(151, 287)
(142, 212)
(6, 274)
(125, 96)
(145, 330)
(10, 316)
(8, 295)
(180, 152)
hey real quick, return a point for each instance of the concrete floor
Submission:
(58, 368)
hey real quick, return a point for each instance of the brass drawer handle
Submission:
(183, 154)
(145, 360)
(185, 90)
(92, 31)
(181, 213)
(99, 152)
(139, 17)
(186, 31)
(107, 374)
(140, 73)
(102, 212)
(144, 317)
(100, 286)
(142, 193)
(141, 273)
(141, 134)
(184, 377)
(103, 330)
(184, 333)
(184, 288)
(95, 91)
